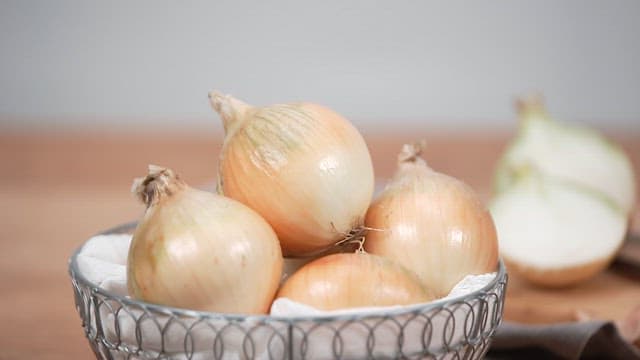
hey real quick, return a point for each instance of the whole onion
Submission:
(433, 224)
(197, 250)
(302, 166)
(349, 280)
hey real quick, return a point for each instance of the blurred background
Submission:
(454, 65)
(92, 92)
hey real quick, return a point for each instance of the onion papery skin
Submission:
(201, 251)
(434, 225)
(303, 167)
(571, 275)
(352, 280)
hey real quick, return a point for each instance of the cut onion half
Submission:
(556, 233)
(572, 152)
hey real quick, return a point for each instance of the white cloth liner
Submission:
(103, 259)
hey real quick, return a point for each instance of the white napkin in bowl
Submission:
(102, 261)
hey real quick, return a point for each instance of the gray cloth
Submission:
(577, 340)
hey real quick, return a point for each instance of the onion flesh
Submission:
(555, 233)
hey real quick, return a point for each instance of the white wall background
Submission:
(448, 65)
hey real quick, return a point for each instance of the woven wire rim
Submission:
(77, 275)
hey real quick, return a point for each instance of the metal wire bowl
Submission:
(121, 328)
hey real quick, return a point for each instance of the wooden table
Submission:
(57, 189)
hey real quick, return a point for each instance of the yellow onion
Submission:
(303, 167)
(569, 152)
(563, 197)
(349, 280)
(433, 224)
(202, 251)
(556, 233)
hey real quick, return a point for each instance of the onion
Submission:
(433, 224)
(349, 280)
(563, 197)
(568, 152)
(554, 233)
(303, 167)
(201, 251)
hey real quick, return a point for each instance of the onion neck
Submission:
(410, 153)
(231, 110)
(159, 184)
(411, 168)
(531, 107)
(410, 157)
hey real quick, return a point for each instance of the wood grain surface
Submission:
(58, 189)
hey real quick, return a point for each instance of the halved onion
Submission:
(556, 233)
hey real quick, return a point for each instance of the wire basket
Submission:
(121, 328)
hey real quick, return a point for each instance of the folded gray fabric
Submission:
(578, 340)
